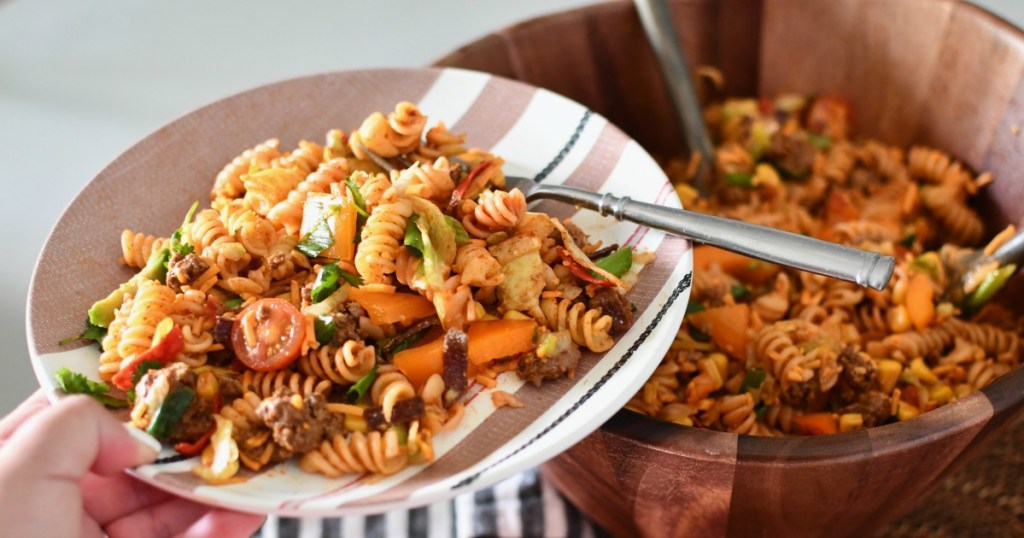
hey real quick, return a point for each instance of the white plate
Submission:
(538, 133)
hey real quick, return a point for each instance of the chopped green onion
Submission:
(909, 240)
(694, 306)
(618, 262)
(988, 288)
(169, 414)
(743, 179)
(818, 141)
(324, 328)
(326, 282)
(357, 390)
(753, 380)
(234, 303)
(739, 292)
(319, 239)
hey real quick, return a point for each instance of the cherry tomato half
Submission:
(268, 334)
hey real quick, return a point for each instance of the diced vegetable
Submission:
(495, 339)
(727, 327)
(739, 292)
(233, 303)
(618, 262)
(753, 379)
(816, 424)
(746, 269)
(888, 374)
(170, 412)
(168, 341)
(327, 282)
(324, 328)
(694, 306)
(920, 301)
(421, 362)
(742, 179)
(328, 226)
(988, 288)
(357, 196)
(581, 272)
(851, 421)
(194, 448)
(461, 235)
(76, 383)
(413, 237)
(396, 307)
(359, 388)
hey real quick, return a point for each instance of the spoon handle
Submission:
(1012, 251)
(768, 244)
(656, 19)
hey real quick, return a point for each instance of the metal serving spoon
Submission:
(761, 242)
(1012, 251)
(675, 72)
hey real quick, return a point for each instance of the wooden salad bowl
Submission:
(937, 72)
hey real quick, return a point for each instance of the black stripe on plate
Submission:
(288, 527)
(680, 288)
(565, 149)
(531, 505)
(485, 513)
(376, 527)
(419, 523)
(171, 459)
(330, 527)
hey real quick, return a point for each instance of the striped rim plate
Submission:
(539, 134)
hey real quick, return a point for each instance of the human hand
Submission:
(61, 474)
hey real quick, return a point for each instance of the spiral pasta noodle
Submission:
(588, 327)
(136, 248)
(384, 230)
(494, 211)
(343, 365)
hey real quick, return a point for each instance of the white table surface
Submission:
(82, 81)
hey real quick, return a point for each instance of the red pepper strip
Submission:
(214, 306)
(460, 190)
(193, 449)
(163, 351)
(581, 272)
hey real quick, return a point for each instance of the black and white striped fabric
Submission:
(524, 505)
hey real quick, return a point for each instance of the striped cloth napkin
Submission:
(523, 505)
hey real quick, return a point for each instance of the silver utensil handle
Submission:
(656, 19)
(768, 244)
(1012, 251)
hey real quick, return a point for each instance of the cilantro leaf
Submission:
(357, 196)
(92, 332)
(76, 383)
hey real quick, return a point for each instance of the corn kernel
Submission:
(906, 411)
(355, 423)
(765, 175)
(515, 314)
(207, 385)
(850, 422)
(899, 320)
(888, 373)
(922, 372)
(941, 393)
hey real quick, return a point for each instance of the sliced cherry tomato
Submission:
(268, 334)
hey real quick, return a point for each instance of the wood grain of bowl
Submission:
(937, 72)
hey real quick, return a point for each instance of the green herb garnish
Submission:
(324, 328)
(753, 380)
(357, 390)
(618, 262)
(357, 196)
(319, 239)
(92, 332)
(414, 237)
(76, 383)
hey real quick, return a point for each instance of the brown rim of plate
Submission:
(957, 417)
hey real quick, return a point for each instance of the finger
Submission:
(35, 404)
(71, 438)
(108, 498)
(168, 518)
(226, 523)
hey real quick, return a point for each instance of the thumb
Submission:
(74, 437)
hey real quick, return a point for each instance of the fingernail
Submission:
(144, 439)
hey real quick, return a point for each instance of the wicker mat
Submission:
(985, 498)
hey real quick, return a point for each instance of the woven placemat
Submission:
(985, 498)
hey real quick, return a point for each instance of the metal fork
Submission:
(761, 242)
